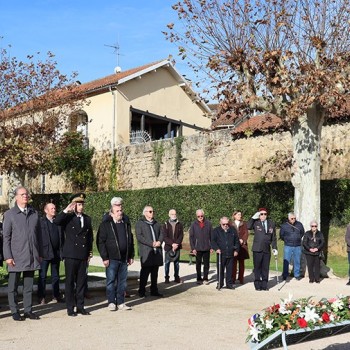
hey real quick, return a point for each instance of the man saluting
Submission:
(77, 251)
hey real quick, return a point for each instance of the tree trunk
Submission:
(306, 138)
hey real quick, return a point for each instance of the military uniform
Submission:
(77, 249)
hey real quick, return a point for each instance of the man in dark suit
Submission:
(77, 251)
(264, 237)
(51, 247)
(150, 239)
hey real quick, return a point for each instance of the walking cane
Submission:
(219, 271)
(277, 278)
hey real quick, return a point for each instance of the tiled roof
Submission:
(267, 121)
(261, 122)
(114, 78)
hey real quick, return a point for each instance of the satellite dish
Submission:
(117, 70)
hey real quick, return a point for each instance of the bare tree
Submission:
(286, 57)
(35, 102)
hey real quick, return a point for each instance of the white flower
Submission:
(283, 309)
(337, 305)
(310, 314)
(268, 324)
(254, 332)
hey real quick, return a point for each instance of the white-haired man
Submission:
(150, 239)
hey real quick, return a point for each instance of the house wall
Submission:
(156, 92)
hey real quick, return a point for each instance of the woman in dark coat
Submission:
(243, 254)
(313, 243)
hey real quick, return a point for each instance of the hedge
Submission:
(216, 201)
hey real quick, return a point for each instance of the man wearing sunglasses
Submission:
(200, 234)
(150, 239)
(291, 233)
(264, 238)
(225, 242)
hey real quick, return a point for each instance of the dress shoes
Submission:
(17, 317)
(157, 294)
(31, 316)
(71, 313)
(83, 312)
(142, 294)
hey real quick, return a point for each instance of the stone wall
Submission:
(213, 158)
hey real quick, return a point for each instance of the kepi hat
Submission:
(78, 198)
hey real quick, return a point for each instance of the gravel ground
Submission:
(189, 316)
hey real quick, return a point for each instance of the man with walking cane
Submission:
(225, 242)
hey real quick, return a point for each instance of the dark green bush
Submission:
(216, 201)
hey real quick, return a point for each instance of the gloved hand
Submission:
(274, 252)
(256, 215)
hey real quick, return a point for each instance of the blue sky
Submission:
(77, 31)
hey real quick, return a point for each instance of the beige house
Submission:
(150, 102)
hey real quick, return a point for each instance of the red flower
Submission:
(325, 317)
(302, 323)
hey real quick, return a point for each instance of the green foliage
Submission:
(158, 152)
(113, 173)
(216, 201)
(178, 156)
(73, 159)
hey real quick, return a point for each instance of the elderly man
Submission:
(173, 232)
(200, 234)
(77, 251)
(264, 237)
(291, 233)
(225, 242)
(22, 251)
(150, 239)
(116, 246)
(52, 250)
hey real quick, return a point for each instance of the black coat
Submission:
(227, 242)
(107, 243)
(263, 240)
(77, 240)
(311, 241)
(48, 251)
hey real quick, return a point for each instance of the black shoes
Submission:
(142, 294)
(71, 313)
(157, 294)
(298, 278)
(17, 317)
(83, 312)
(31, 316)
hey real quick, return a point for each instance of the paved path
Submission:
(189, 317)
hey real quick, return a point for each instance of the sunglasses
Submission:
(225, 224)
(150, 211)
(200, 216)
(313, 225)
(263, 214)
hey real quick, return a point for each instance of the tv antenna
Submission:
(116, 48)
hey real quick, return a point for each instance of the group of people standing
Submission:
(32, 242)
